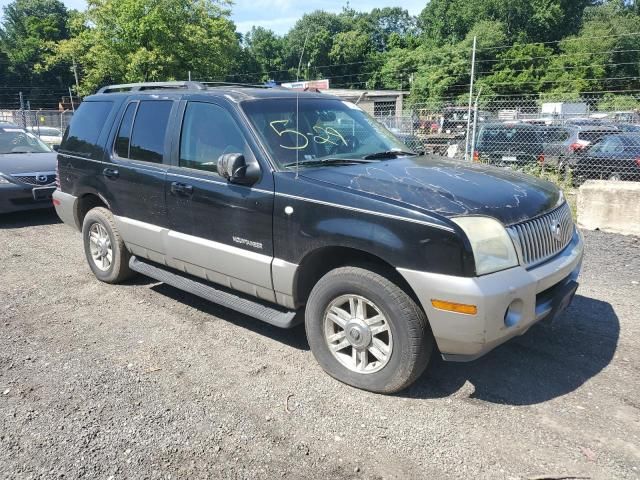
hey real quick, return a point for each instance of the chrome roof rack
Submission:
(234, 84)
(136, 87)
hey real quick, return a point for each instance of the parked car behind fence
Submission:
(614, 157)
(509, 144)
(561, 142)
(50, 135)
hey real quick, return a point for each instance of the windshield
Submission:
(322, 129)
(505, 135)
(46, 131)
(16, 140)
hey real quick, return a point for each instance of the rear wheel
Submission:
(564, 170)
(106, 253)
(366, 331)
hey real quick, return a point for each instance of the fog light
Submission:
(513, 315)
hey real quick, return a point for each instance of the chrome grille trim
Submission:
(31, 179)
(535, 239)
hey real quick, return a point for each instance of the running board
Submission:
(279, 317)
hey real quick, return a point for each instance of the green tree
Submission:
(29, 32)
(147, 40)
(519, 69)
(383, 24)
(443, 73)
(318, 28)
(525, 20)
(603, 56)
(266, 49)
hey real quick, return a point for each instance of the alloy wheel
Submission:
(358, 334)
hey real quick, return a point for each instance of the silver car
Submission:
(27, 170)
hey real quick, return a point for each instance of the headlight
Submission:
(492, 247)
(3, 180)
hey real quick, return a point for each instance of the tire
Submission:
(564, 170)
(408, 334)
(100, 221)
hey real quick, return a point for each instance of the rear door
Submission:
(219, 230)
(140, 150)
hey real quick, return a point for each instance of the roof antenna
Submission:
(298, 135)
(306, 36)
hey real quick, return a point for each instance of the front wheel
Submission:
(366, 331)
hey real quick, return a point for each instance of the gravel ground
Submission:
(144, 381)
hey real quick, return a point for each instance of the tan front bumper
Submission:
(508, 302)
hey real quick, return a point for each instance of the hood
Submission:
(446, 187)
(15, 163)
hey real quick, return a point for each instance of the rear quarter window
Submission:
(556, 135)
(593, 136)
(82, 136)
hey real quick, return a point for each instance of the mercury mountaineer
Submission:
(294, 206)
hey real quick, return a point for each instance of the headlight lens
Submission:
(492, 247)
(3, 180)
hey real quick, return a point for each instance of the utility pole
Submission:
(24, 118)
(473, 74)
(475, 123)
(75, 74)
(73, 107)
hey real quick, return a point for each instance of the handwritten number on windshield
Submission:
(324, 135)
(291, 131)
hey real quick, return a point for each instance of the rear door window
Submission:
(593, 136)
(149, 131)
(556, 135)
(86, 126)
(124, 132)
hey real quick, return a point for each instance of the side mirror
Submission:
(55, 147)
(235, 168)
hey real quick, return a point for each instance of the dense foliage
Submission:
(550, 48)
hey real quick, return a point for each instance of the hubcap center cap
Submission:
(102, 248)
(358, 333)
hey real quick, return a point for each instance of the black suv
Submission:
(510, 144)
(287, 206)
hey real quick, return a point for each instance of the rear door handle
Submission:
(181, 188)
(111, 173)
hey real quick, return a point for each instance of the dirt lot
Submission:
(143, 381)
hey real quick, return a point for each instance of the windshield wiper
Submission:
(329, 161)
(389, 154)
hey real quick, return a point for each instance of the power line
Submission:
(558, 55)
(569, 39)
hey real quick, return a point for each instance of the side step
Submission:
(279, 317)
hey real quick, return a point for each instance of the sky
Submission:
(280, 15)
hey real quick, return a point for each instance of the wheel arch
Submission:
(322, 260)
(86, 202)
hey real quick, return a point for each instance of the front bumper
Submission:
(508, 302)
(16, 197)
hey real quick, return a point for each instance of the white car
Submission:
(49, 135)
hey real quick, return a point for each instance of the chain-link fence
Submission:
(570, 141)
(49, 125)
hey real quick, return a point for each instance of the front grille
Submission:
(543, 237)
(33, 179)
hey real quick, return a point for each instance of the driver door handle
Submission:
(111, 173)
(181, 188)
